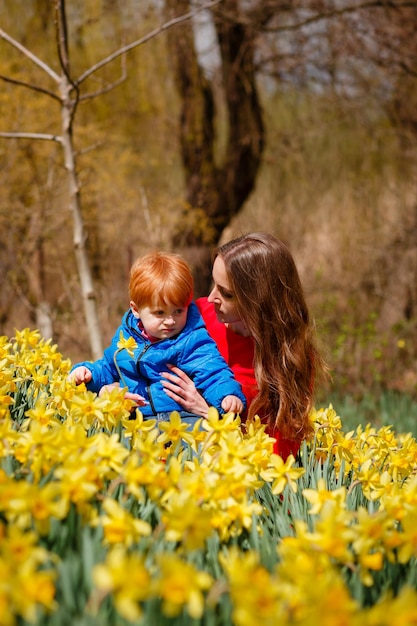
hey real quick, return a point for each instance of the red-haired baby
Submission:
(162, 326)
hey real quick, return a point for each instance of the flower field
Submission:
(107, 521)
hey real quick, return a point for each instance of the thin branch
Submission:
(407, 69)
(61, 33)
(42, 136)
(30, 55)
(63, 56)
(107, 88)
(372, 4)
(22, 83)
(145, 38)
(94, 146)
(99, 92)
(62, 36)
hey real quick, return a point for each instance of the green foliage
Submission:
(388, 408)
(364, 359)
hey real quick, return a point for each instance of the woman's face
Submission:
(221, 294)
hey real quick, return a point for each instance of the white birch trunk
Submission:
(79, 237)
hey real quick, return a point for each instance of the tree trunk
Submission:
(84, 271)
(215, 193)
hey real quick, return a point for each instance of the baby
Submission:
(163, 326)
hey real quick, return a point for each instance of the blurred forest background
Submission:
(295, 118)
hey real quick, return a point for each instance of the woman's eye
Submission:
(227, 295)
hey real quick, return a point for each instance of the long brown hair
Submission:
(271, 303)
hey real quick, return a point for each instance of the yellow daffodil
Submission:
(6, 400)
(134, 424)
(254, 591)
(145, 476)
(127, 578)
(331, 536)
(398, 611)
(77, 462)
(326, 419)
(107, 453)
(220, 423)
(26, 339)
(318, 497)
(175, 430)
(408, 549)
(37, 447)
(312, 588)
(282, 473)
(88, 409)
(116, 407)
(181, 586)
(128, 344)
(120, 526)
(62, 393)
(42, 412)
(8, 435)
(374, 481)
(76, 483)
(27, 582)
(35, 588)
(186, 521)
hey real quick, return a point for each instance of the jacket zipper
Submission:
(145, 349)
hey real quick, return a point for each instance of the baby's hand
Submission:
(232, 404)
(140, 400)
(80, 375)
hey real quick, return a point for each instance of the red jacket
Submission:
(239, 351)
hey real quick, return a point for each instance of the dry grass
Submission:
(343, 210)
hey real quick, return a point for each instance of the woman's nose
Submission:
(213, 296)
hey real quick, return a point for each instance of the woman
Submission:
(257, 314)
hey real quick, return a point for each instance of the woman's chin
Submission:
(221, 317)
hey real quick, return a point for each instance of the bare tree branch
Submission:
(325, 15)
(67, 85)
(107, 88)
(407, 69)
(42, 136)
(145, 38)
(61, 28)
(30, 55)
(22, 83)
(61, 31)
(90, 148)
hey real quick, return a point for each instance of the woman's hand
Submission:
(179, 387)
(140, 400)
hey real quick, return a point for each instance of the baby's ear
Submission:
(134, 309)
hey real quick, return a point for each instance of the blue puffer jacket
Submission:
(193, 350)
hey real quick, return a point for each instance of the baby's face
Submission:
(164, 321)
